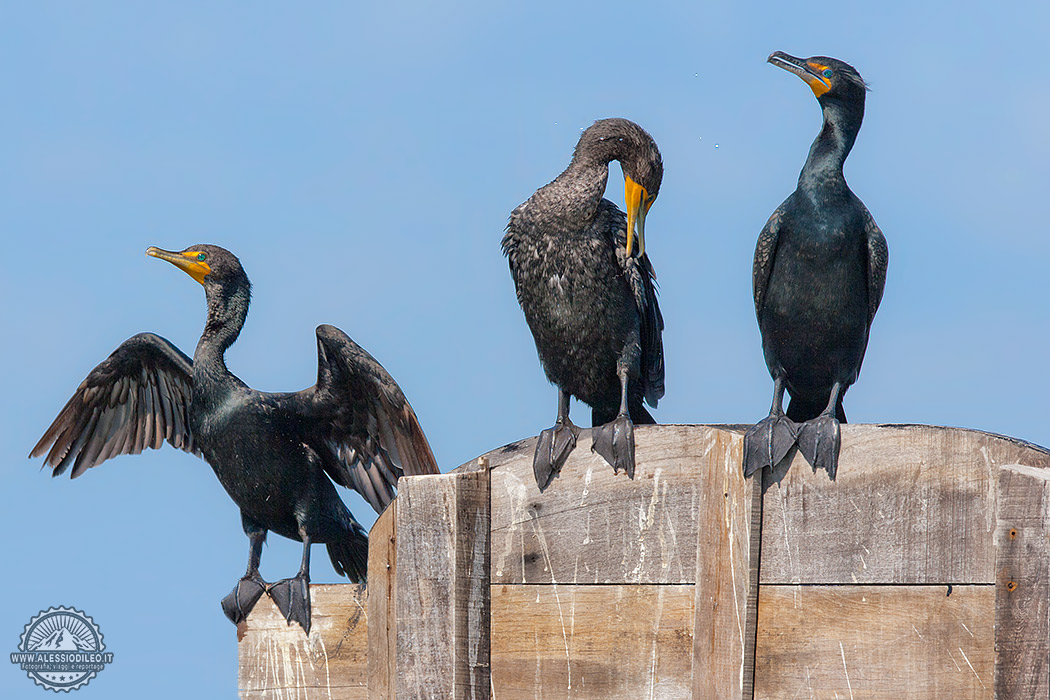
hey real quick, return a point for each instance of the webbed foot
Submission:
(819, 441)
(292, 596)
(767, 442)
(240, 601)
(552, 450)
(615, 442)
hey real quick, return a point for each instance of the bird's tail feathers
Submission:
(350, 554)
(641, 416)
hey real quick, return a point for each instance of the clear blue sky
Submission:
(362, 161)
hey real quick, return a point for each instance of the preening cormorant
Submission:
(276, 454)
(819, 272)
(587, 288)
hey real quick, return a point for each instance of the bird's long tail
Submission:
(350, 554)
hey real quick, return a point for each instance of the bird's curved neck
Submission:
(578, 190)
(832, 145)
(227, 309)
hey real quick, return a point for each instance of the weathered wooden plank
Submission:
(911, 504)
(382, 632)
(278, 660)
(442, 586)
(594, 526)
(875, 642)
(727, 556)
(1022, 599)
(592, 642)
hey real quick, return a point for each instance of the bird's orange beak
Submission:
(812, 73)
(638, 203)
(189, 261)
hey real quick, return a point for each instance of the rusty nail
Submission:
(1011, 586)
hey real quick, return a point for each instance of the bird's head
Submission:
(643, 168)
(208, 264)
(830, 79)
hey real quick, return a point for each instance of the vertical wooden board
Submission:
(592, 642)
(594, 526)
(911, 504)
(875, 642)
(382, 636)
(278, 660)
(1022, 598)
(727, 557)
(442, 586)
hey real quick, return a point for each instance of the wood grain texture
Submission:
(594, 526)
(911, 504)
(442, 586)
(875, 642)
(1022, 599)
(382, 632)
(727, 556)
(592, 642)
(278, 660)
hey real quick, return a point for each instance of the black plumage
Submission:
(588, 291)
(819, 273)
(276, 454)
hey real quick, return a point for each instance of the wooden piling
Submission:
(923, 571)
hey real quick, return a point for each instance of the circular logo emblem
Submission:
(61, 649)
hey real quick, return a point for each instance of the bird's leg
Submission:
(819, 439)
(292, 595)
(555, 444)
(615, 440)
(240, 601)
(768, 441)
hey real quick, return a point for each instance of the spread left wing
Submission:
(137, 398)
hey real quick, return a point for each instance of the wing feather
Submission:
(765, 253)
(878, 262)
(138, 398)
(70, 452)
(165, 405)
(641, 278)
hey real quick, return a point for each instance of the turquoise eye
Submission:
(828, 72)
(202, 257)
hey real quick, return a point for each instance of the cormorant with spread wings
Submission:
(276, 454)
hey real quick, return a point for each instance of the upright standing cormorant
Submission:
(819, 272)
(587, 290)
(276, 454)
